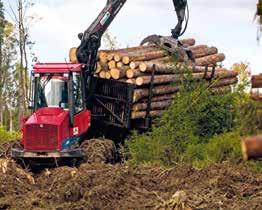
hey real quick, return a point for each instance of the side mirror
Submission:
(31, 105)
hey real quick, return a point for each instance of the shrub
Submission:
(194, 117)
(6, 136)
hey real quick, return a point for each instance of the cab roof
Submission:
(57, 67)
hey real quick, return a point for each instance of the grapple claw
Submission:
(169, 44)
(152, 39)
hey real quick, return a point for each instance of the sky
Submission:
(226, 24)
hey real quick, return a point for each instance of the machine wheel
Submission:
(99, 151)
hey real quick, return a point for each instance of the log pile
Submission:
(135, 65)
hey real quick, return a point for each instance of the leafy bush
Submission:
(6, 136)
(220, 148)
(181, 134)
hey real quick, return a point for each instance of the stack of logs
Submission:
(135, 65)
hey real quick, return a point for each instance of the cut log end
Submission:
(72, 55)
(112, 64)
(108, 75)
(110, 56)
(142, 67)
(102, 74)
(252, 147)
(126, 60)
(117, 58)
(132, 65)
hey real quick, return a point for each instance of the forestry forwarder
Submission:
(70, 105)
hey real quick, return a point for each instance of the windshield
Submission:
(53, 92)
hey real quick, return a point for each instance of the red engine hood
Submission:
(48, 115)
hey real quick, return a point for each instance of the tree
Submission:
(23, 22)
(8, 44)
(109, 41)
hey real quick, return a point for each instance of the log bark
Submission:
(256, 96)
(145, 56)
(188, 42)
(158, 79)
(197, 47)
(163, 97)
(139, 115)
(209, 60)
(159, 105)
(204, 52)
(252, 147)
(161, 79)
(158, 90)
(161, 68)
(256, 81)
(224, 82)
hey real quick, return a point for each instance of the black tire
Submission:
(99, 151)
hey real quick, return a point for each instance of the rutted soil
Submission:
(124, 187)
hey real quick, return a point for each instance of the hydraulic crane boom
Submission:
(91, 38)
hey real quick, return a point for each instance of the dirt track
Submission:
(124, 187)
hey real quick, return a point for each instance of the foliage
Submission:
(244, 73)
(250, 117)
(109, 41)
(6, 136)
(185, 131)
(220, 148)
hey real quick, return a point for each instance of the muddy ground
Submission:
(124, 187)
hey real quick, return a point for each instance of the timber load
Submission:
(156, 74)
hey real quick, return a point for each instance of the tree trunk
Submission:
(11, 128)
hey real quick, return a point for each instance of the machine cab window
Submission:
(56, 90)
